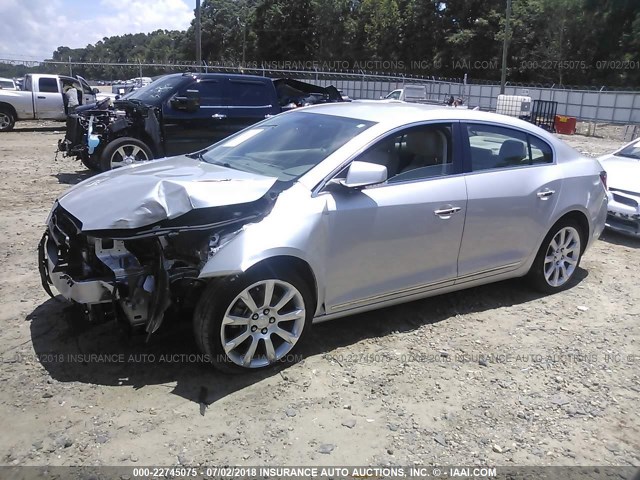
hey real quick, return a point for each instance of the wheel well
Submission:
(148, 141)
(7, 107)
(299, 266)
(582, 221)
(140, 137)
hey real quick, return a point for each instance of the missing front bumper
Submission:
(87, 292)
(623, 223)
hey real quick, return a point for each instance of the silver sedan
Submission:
(321, 213)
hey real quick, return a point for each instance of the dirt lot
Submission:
(493, 375)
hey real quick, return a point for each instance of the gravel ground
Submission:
(494, 375)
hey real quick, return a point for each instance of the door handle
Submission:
(42, 98)
(447, 212)
(218, 116)
(545, 194)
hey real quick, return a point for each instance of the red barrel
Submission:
(565, 125)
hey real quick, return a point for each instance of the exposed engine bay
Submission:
(137, 274)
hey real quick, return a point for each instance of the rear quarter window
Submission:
(541, 151)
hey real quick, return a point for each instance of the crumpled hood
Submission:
(143, 194)
(622, 173)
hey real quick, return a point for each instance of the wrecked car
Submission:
(179, 114)
(623, 179)
(319, 213)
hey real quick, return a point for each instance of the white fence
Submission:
(618, 107)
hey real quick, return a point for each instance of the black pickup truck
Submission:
(178, 114)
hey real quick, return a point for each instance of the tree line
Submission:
(569, 42)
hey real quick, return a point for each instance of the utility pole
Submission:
(244, 40)
(198, 36)
(244, 37)
(505, 46)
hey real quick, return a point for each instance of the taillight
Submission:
(603, 178)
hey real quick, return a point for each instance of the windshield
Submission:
(156, 90)
(632, 151)
(286, 146)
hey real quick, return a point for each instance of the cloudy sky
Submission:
(33, 29)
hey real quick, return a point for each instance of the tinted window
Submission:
(285, 146)
(49, 85)
(248, 94)
(415, 153)
(209, 91)
(501, 147)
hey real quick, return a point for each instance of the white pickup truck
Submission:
(418, 94)
(42, 98)
(410, 93)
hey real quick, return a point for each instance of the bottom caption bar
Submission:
(314, 472)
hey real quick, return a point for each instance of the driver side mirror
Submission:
(189, 102)
(95, 91)
(363, 174)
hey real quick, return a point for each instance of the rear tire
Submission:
(124, 151)
(267, 328)
(7, 120)
(558, 258)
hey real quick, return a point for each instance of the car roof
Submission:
(402, 113)
(235, 76)
(396, 114)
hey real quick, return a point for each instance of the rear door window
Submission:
(48, 85)
(494, 147)
(248, 93)
(540, 151)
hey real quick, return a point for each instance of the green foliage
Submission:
(552, 41)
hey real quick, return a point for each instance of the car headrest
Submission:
(513, 151)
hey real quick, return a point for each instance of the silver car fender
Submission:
(299, 233)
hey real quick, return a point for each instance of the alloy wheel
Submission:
(128, 155)
(562, 256)
(5, 121)
(263, 323)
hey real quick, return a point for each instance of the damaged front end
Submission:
(91, 128)
(136, 275)
(623, 211)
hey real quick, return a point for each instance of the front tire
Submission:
(558, 258)
(92, 163)
(7, 120)
(124, 151)
(254, 320)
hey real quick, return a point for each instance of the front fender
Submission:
(300, 232)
